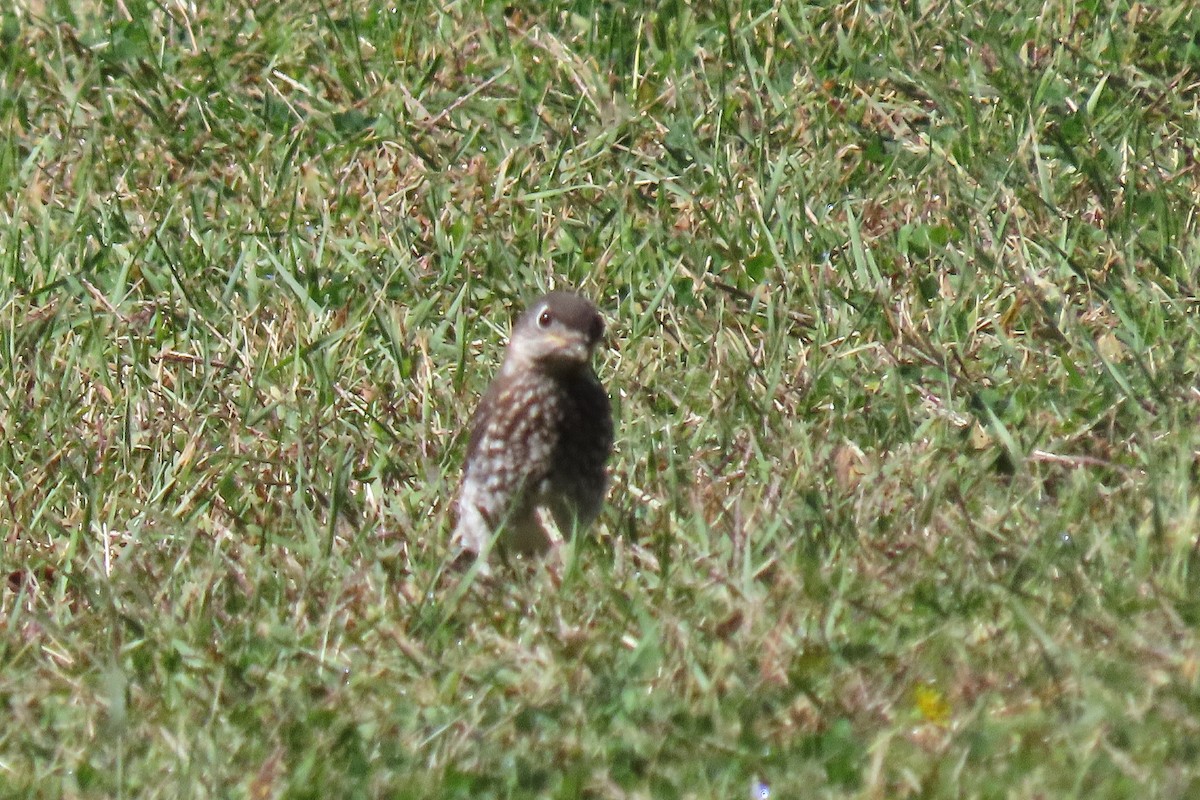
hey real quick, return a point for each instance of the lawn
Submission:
(904, 335)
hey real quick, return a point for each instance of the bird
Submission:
(540, 437)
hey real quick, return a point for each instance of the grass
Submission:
(903, 312)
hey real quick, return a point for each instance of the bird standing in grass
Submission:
(541, 435)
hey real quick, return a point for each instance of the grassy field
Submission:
(904, 332)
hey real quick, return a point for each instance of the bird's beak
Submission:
(570, 347)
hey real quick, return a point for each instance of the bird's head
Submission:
(557, 333)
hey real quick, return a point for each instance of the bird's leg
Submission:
(549, 524)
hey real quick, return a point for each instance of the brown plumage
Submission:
(541, 435)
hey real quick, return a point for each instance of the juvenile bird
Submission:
(541, 435)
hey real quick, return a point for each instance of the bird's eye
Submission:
(545, 318)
